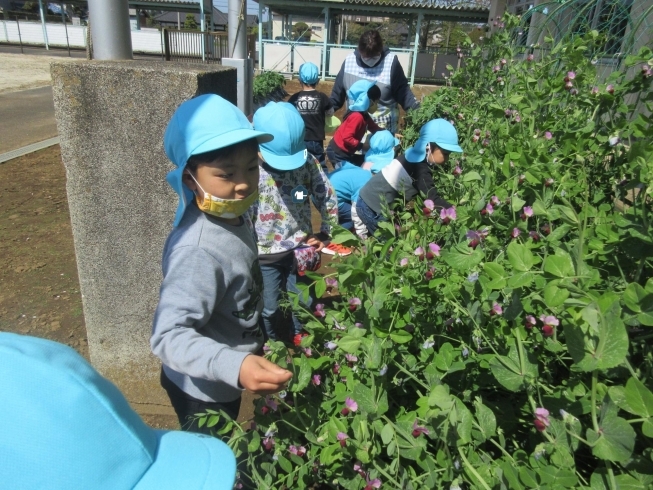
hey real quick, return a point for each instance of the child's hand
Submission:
(261, 376)
(313, 241)
(399, 136)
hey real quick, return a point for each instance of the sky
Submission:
(252, 7)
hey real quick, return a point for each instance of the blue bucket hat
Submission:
(200, 125)
(382, 149)
(438, 131)
(357, 94)
(65, 426)
(287, 151)
(309, 73)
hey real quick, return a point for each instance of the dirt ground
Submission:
(19, 72)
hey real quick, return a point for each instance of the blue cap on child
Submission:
(438, 131)
(357, 94)
(65, 426)
(287, 151)
(200, 125)
(309, 73)
(382, 150)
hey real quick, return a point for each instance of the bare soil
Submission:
(19, 72)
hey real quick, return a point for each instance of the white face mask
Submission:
(371, 61)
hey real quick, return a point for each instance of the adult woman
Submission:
(372, 61)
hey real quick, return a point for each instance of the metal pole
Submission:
(178, 21)
(325, 42)
(237, 30)
(63, 19)
(45, 29)
(111, 33)
(20, 39)
(420, 17)
(202, 29)
(260, 34)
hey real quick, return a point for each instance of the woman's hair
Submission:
(374, 93)
(221, 153)
(370, 44)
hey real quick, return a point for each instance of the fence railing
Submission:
(199, 47)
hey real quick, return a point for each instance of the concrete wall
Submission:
(111, 117)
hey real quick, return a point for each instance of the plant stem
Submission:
(472, 470)
(385, 473)
(411, 375)
(595, 422)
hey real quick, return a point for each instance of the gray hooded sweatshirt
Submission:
(210, 301)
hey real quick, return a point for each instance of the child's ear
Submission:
(188, 180)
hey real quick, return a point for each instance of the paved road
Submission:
(26, 117)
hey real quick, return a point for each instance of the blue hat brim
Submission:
(187, 460)
(284, 162)
(417, 152)
(379, 160)
(452, 148)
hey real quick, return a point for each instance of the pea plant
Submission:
(503, 343)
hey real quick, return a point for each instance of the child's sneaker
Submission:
(336, 248)
(297, 339)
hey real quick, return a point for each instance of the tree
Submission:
(302, 30)
(190, 22)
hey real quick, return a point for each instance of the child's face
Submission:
(437, 156)
(235, 177)
(374, 105)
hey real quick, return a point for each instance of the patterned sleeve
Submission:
(324, 198)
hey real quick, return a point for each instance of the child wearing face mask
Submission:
(348, 138)
(409, 173)
(206, 325)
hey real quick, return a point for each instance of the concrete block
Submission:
(111, 116)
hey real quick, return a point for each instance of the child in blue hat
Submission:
(206, 326)
(314, 107)
(290, 179)
(409, 173)
(64, 426)
(348, 180)
(348, 138)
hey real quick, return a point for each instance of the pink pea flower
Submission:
(330, 345)
(434, 249)
(614, 140)
(342, 437)
(571, 75)
(496, 68)
(336, 368)
(417, 430)
(530, 57)
(297, 451)
(548, 135)
(550, 322)
(271, 403)
(503, 61)
(477, 132)
(268, 443)
(354, 303)
(535, 236)
(485, 142)
(522, 178)
(331, 282)
(307, 351)
(351, 358)
(358, 468)
(429, 205)
(317, 380)
(372, 484)
(419, 252)
(595, 90)
(266, 348)
(527, 212)
(548, 182)
(359, 325)
(610, 89)
(319, 311)
(475, 138)
(508, 113)
(573, 91)
(515, 233)
(403, 262)
(541, 419)
(489, 209)
(457, 170)
(448, 215)
(494, 200)
(496, 309)
(428, 275)
(530, 321)
(517, 119)
(350, 406)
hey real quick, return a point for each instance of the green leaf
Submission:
(507, 370)
(463, 262)
(520, 279)
(320, 288)
(517, 204)
(365, 399)
(387, 434)
(255, 443)
(554, 296)
(401, 336)
(616, 438)
(640, 301)
(304, 376)
(349, 344)
(472, 176)
(486, 419)
(627, 482)
(440, 397)
(520, 257)
(639, 398)
(465, 422)
(559, 266)
(330, 454)
(284, 463)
